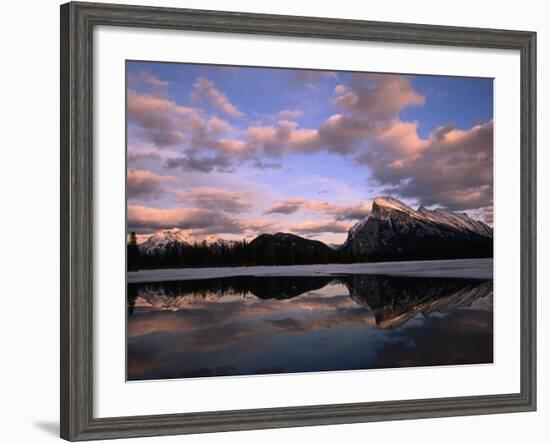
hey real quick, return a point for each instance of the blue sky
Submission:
(235, 151)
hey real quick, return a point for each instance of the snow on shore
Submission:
(467, 268)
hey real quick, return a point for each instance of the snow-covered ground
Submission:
(468, 268)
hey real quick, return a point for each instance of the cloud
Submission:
(216, 198)
(204, 91)
(266, 165)
(205, 143)
(197, 220)
(139, 153)
(146, 184)
(453, 168)
(340, 213)
(135, 155)
(253, 227)
(450, 168)
(219, 155)
(343, 134)
(286, 207)
(201, 163)
(146, 79)
(310, 79)
(162, 121)
(287, 114)
(340, 133)
(218, 126)
(380, 96)
(319, 227)
(322, 315)
(371, 104)
(352, 212)
(283, 138)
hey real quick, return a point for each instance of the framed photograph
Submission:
(273, 221)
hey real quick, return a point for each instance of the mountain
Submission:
(288, 249)
(393, 301)
(186, 294)
(175, 241)
(395, 231)
(165, 241)
(396, 300)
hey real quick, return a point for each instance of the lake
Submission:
(266, 324)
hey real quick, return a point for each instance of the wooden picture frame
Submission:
(77, 23)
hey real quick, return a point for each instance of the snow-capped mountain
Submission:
(456, 220)
(174, 240)
(394, 231)
(394, 303)
(384, 207)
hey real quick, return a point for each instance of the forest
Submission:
(269, 250)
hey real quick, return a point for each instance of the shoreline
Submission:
(479, 268)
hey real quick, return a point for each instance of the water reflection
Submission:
(254, 325)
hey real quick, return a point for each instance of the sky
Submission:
(238, 151)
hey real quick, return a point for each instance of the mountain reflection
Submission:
(264, 325)
(396, 300)
(393, 301)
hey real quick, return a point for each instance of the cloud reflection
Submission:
(250, 325)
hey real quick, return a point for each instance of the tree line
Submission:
(238, 253)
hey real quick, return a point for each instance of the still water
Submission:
(263, 325)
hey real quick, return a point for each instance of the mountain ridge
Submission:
(165, 239)
(395, 230)
(392, 231)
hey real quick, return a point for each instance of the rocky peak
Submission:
(395, 230)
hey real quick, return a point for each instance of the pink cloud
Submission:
(261, 134)
(346, 212)
(311, 79)
(143, 107)
(377, 95)
(204, 91)
(340, 212)
(166, 123)
(216, 198)
(287, 206)
(146, 184)
(341, 132)
(218, 126)
(288, 114)
(197, 220)
(252, 227)
(283, 138)
(453, 168)
(231, 146)
(319, 227)
(137, 176)
(135, 155)
(145, 78)
(162, 121)
(401, 136)
(139, 152)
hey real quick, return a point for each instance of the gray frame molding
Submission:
(77, 24)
